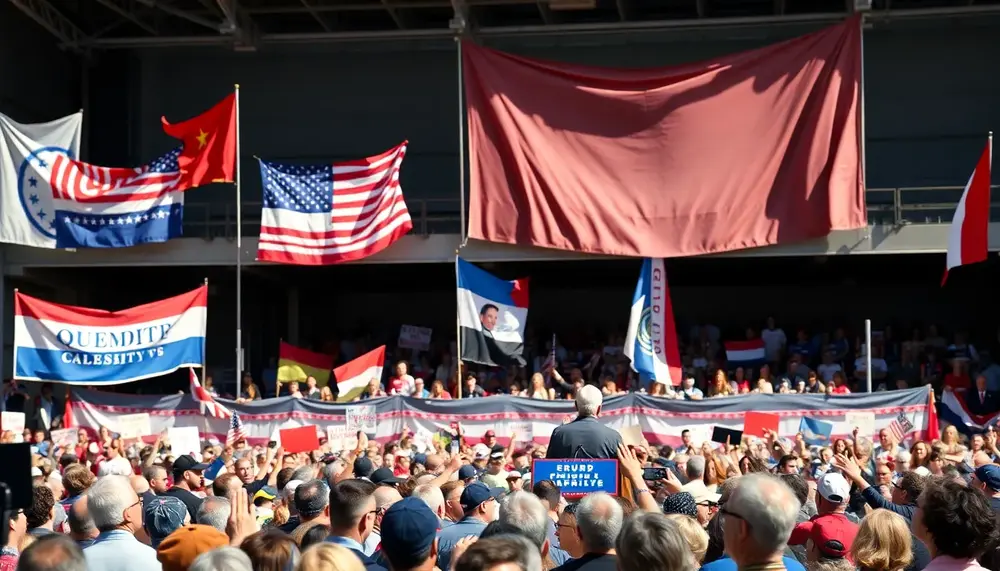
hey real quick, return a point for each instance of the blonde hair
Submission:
(883, 542)
(329, 557)
(694, 535)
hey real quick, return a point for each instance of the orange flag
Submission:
(209, 153)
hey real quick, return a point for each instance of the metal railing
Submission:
(886, 206)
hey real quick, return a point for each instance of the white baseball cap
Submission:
(834, 488)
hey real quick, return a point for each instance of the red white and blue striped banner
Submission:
(661, 420)
(84, 346)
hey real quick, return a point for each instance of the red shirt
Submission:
(841, 390)
(957, 382)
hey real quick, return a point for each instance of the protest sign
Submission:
(131, 426)
(413, 337)
(361, 418)
(184, 439)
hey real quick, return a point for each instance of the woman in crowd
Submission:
(329, 557)
(538, 390)
(956, 523)
(271, 550)
(438, 391)
(883, 543)
(720, 385)
(919, 453)
(326, 395)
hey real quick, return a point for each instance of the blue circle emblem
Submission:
(35, 191)
(645, 334)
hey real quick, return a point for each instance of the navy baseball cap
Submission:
(467, 471)
(477, 493)
(385, 476)
(363, 467)
(989, 474)
(408, 529)
(187, 462)
(162, 516)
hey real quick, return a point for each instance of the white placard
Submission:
(523, 431)
(864, 421)
(131, 426)
(414, 337)
(64, 438)
(361, 418)
(14, 422)
(184, 440)
(340, 439)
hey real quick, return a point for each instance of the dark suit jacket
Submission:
(584, 438)
(988, 406)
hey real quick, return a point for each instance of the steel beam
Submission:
(126, 9)
(394, 14)
(54, 22)
(184, 14)
(316, 16)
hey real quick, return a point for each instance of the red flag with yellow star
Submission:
(209, 153)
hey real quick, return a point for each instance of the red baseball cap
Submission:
(489, 433)
(833, 536)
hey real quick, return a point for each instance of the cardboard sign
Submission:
(523, 431)
(758, 423)
(413, 337)
(361, 418)
(815, 432)
(578, 477)
(14, 422)
(631, 435)
(863, 421)
(131, 426)
(340, 439)
(184, 440)
(64, 438)
(301, 439)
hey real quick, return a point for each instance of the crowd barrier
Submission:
(660, 420)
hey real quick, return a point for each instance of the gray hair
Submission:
(652, 541)
(524, 511)
(303, 474)
(108, 499)
(430, 495)
(52, 552)
(80, 522)
(222, 559)
(599, 518)
(770, 504)
(214, 511)
(588, 400)
(695, 467)
(489, 552)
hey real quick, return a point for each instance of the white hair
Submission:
(108, 499)
(222, 559)
(599, 518)
(525, 512)
(695, 467)
(770, 505)
(588, 400)
(430, 495)
(214, 511)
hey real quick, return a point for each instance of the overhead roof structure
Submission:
(84, 25)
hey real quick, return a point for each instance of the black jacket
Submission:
(584, 438)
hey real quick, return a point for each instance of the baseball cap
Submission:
(989, 474)
(187, 462)
(467, 471)
(476, 493)
(480, 452)
(384, 476)
(420, 458)
(833, 536)
(408, 528)
(363, 467)
(834, 488)
(490, 434)
(162, 516)
(497, 456)
(179, 550)
(680, 503)
(266, 492)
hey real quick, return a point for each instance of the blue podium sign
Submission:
(578, 477)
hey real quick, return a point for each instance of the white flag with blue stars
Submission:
(27, 152)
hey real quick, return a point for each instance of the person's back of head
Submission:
(271, 550)
(81, 525)
(955, 520)
(315, 534)
(222, 559)
(525, 512)
(311, 499)
(107, 501)
(432, 496)
(222, 484)
(42, 502)
(883, 542)
(349, 501)
(77, 478)
(652, 541)
(695, 535)
(501, 551)
(695, 468)
(548, 492)
(798, 485)
(589, 400)
(329, 557)
(760, 513)
(52, 552)
(304, 473)
(599, 519)
(214, 511)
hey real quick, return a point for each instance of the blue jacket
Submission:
(727, 564)
(358, 549)
(450, 536)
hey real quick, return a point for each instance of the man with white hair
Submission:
(585, 437)
(434, 498)
(758, 519)
(214, 511)
(524, 512)
(117, 512)
(599, 520)
(385, 496)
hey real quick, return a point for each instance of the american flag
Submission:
(236, 432)
(205, 399)
(332, 213)
(78, 181)
(900, 427)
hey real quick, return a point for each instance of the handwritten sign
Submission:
(863, 421)
(413, 337)
(64, 438)
(523, 431)
(361, 418)
(578, 477)
(184, 439)
(339, 438)
(131, 426)
(14, 422)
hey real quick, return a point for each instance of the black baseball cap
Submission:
(384, 476)
(187, 462)
(363, 467)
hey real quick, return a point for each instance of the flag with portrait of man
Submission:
(492, 314)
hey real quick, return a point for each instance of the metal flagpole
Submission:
(461, 201)
(868, 354)
(458, 334)
(239, 256)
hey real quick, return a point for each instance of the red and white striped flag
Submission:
(236, 432)
(206, 400)
(968, 235)
(900, 427)
(332, 213)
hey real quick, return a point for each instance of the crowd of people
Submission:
(761, 504)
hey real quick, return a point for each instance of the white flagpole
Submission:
(204, 347)
(239, 256)
(458, 335)
(868, 354)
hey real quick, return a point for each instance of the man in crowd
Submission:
(585, 437)
(188, 477)
(385, 496)
(434, 498)
(163, 516)
(598, 519)
(312, 501)
(42, 514)
(17, 528)
(409, 536)
(214, 511)
(81, 526)
(352, 518)
(157, 478)
(479, 506)
(55, 552)
(117, 513)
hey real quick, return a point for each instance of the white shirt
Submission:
(774, 340)
(117, 466)
(826, 371)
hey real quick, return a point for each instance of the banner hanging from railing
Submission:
(661, 420)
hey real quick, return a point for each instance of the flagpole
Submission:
(204, 346)
(868, 354)
(458, 334)
(461, 198)
(239, 256)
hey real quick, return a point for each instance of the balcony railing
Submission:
(886, 206)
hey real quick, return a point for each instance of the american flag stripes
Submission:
(205, 399)
(332, 213)
(236, 432)
(85, 183)
(900, 427)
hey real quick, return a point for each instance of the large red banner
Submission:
(752, 149)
